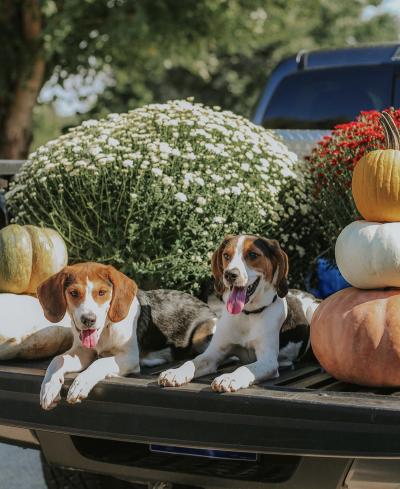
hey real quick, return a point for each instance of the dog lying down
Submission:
(261, 324)
(116, 327)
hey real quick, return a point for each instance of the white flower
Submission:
(127, 163)
(290, 201)
(219, 219)
(236, 190)
(167, 180)
(304, 209)
(301, 251)
(157, 171)
(199, 210)
(95, 150)
(90, 123)
(201, 201)
(113, 142)
(245, 166)
(81, 163)
(165, 148)
(199, 181)
(181, 197)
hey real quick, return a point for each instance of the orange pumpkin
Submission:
(376, 178)
(355, 335)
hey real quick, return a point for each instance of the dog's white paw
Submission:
(79, 389)
(50, 393)
(175, 377)
(229, 383)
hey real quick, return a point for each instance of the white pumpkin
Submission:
(368, 254)
(26, 333)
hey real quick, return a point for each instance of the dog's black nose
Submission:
(89, 319)
(231, 275)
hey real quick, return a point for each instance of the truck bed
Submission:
(303, 412)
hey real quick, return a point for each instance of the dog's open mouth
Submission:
(252, 288)
(239, 296)
(88, 337)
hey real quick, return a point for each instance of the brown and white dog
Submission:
(260, 324)
(116, 327)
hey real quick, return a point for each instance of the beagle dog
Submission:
(116, 327)
(261, 323)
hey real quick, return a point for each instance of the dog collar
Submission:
(261, 309)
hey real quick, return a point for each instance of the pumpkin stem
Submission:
(391, 131)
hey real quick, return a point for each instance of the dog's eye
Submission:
(74, 293)
(102, 292)
(252, 255)
(226, 256)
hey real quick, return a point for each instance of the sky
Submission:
(392, 6)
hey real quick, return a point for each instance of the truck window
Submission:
(320, 99)
(396, 103)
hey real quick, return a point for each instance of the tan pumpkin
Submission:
(29, 255)
(355, 335)
(376, 178)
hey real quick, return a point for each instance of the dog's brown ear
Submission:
(282, 287)
(282, 266)
(271, 248)
(217, 267)
(51, 295)
(124, 291)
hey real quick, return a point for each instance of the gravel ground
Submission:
(20, 468)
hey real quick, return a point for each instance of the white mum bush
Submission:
(153, 191)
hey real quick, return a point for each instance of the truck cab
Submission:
(319, 89)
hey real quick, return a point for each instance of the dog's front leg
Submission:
(266, 367)
(99, 370)
(73, 360)
(203, 364)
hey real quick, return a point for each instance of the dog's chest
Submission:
(245, 331)
(113, 339)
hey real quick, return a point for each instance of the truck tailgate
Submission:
(304, 411)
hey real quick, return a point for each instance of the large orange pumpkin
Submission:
(376, 178)
(355, 335)
(28, 256)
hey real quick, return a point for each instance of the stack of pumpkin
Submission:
(355, 333)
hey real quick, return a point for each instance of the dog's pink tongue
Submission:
(89, 338)
(236, 300)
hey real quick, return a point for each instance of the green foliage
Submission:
(219, 51)
(154, 191)
(231, 69)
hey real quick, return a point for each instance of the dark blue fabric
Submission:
(325, 280)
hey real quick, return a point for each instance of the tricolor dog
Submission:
(261, 324)
(116, 327)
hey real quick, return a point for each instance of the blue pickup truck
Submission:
(303, 430)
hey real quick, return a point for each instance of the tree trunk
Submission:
(17, 125)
